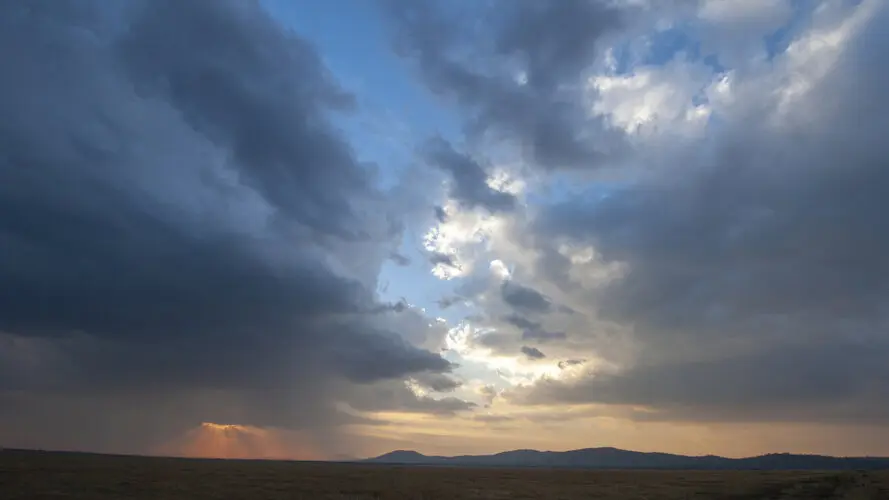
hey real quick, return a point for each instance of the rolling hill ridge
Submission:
(614, 458)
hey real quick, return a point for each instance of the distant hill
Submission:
(613, 458)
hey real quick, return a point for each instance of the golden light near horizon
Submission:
(227, 427)
(215, 440)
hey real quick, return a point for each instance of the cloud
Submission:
(543, 335)
(655, 99)
(734, 31)
(441, 259)
(186, 236)
(532, 330)
(518, 84)
(532, 352)
(178, 230)
(440, 214)
(453, 246)
(406, 398)
(756, 276)
(470, 181)
(524, 298)
(825, 383)
(446, 302)
(493, 419)
(499, 342)
(570, 362)
(521, 322)
(488, 394)
(437, 382)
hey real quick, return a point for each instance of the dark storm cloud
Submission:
(277, 154)
(498, 341)
(469, 180)
(437, 382)
(757, 278)
(177, 218)
(570, 362)
(532, 330)
(554, 41)
(392, 396)
(364, 357)
(521, 322)
(551, 43)
(532, 352)
(540, 335)
(524, 298)
(436, 258)
(440, 214)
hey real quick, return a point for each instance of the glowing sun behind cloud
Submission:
(212, 440)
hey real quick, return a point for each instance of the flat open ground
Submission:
(40, 475)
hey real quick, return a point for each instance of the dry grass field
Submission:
(39, 475)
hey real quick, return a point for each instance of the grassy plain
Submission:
(44, 475)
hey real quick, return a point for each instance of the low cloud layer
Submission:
(757, 271)
(666, 216)
(469, 179)
(179, 220)
(735, 269)
(520, 84)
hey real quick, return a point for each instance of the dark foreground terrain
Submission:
(40, 475)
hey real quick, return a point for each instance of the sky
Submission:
(320, 230)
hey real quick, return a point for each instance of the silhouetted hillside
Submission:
(613, 458)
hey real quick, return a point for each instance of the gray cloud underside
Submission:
(757, 263)
(532, 352)
(758, 278)
(469, 186)
(178, 220)
(551, 43)
(396, 396)
(532, 330)
(524, 298)
(439, 258)
(437, 382)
